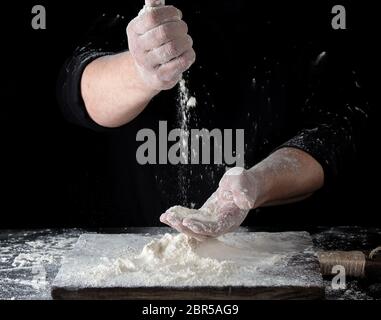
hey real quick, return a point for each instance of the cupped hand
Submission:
(223, 212)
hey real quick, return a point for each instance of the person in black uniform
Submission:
(273, 73)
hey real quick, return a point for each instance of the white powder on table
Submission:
(174, 260)
(167, 261)
(30, 260)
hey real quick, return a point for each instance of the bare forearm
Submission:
(288, 175)
(117, 88)
(113, 91)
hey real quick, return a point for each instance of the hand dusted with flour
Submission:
(288, 175)
(223, 212)
(160, 45)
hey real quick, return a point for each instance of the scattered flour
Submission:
(30, 260)
(192, 102)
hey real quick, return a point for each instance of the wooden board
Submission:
(295, 276)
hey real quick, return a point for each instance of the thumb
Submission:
(154, 3)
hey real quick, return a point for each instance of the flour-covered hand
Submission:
(218, 216)
(160, 45)
(238, 193)
(223, 212)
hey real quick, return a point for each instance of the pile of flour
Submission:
(167, 261)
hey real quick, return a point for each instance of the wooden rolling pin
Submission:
(357, 264)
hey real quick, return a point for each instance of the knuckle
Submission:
(151, 18)
(190, 58)
(160, 73)
(189, 40)
(193, 56)
(173, 11)
(183, 62)
(180, 13)
(135, 46)
(184, 26)
(171, 49)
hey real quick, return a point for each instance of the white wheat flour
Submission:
(173, 260)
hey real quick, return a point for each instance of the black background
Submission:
(49, 167)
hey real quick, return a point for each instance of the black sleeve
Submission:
(106, 36)
(332, 112)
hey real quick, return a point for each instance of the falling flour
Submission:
(186, 102)
(237, 259)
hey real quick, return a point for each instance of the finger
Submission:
(177, 225)
(173, 69)
(166, 219)
(191, 234)
(163, 218)
(170, 51)
(154, 18)
(162, 34)
(173, 216)
(202, 228)
(228, 217)
(167, 223)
